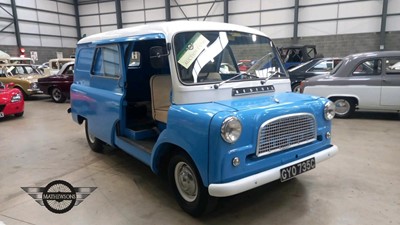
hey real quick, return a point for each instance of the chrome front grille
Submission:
(286, 132)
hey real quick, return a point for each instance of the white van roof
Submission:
(168, 29)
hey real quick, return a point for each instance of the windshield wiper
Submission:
(216, 86)
(271, 74)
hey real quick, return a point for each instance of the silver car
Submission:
(366, 82)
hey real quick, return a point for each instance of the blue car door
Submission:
(106, 91)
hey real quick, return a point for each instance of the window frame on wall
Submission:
(101, 71)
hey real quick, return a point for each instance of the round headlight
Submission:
(329, 110)
(34, 85)
(16, 98)
(231, 129)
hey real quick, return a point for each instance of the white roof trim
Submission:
(168, 29)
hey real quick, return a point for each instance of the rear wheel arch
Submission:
(335, 97)
(81, 119)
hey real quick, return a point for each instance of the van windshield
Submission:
(212, 57)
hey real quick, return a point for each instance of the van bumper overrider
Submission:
(259, 179)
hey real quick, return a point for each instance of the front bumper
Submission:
(34, 91)
(259, 179)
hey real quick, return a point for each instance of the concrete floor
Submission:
(361, 185)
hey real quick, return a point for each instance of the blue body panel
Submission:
(252, 113)
(188, 127)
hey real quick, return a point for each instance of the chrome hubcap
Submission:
(296, 89)
(186, 181)
(342, 106)
(56, 94)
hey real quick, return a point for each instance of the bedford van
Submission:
(162, 93)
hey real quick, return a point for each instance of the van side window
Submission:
(369, 67)
(107, 61)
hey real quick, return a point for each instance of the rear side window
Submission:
(393, 66)
(369, 67)
(107, 61)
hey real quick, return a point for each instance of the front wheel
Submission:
(57, 95)
(187, 186)
(296, 88)
(345, 107)
(94, 143)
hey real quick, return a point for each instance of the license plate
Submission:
(289, 172)
(1, 114)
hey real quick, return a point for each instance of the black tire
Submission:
(345, 107)
(189, 190)
(19, 114)
(57, 95)
(296, 87)
(94, 143)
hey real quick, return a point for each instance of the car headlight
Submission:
(16, 98)
(34, 86)
(231, 129)
(329, 110)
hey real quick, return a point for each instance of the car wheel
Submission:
(19, 114)
(187, 186)
(94, 143)
(344, 107)
(57, 95)
(296, 88)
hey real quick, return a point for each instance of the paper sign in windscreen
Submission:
(193, 49)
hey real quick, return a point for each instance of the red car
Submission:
(11, 101)
(57, 86)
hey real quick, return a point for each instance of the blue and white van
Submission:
(171, 95)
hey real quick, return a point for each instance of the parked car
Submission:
(23, 77)
(11, 101)
(365, 82)
(212, 131)
(55, 65)
(294, 55)
(4, 57)
(21, 60)
(57, 86)
(311, 68)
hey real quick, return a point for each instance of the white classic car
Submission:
(366, 82)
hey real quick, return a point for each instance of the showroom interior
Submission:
(359, 185)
